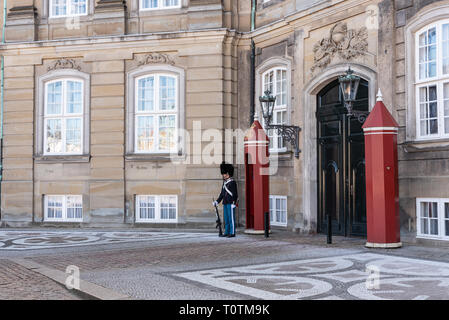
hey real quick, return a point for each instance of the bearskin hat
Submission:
(227, 168)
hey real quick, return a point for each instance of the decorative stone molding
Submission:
(111, 5)
(64, 64)
(21, 12)
(156, 58)
(344, 42)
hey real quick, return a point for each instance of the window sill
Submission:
(281, 155)
(154, 157)
(63, 159)
(263, 5)
(426, 145)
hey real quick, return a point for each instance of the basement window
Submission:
(64, 208)
(432, 218)
(278, 211)
(156, 208)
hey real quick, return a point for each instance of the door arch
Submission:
(310, 144)
(341, 159)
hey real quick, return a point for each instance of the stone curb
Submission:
(89, 289)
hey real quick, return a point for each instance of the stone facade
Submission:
(208, 42)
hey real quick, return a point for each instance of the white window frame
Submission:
(157, 213)
(439, 80)
(69, 9)
(63, 116)
(160, 6)
(273, 210)
(440, 215)
(64, 208)
(156, 112)
(278, 109)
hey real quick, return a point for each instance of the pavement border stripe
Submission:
(87, 288)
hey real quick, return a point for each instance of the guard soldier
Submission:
(229, 196)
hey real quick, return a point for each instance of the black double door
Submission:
(341, 162)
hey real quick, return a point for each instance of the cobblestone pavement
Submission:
(19, 283)
(199, 266)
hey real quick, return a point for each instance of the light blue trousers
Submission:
(229, 218)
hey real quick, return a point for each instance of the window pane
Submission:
(422, 39)
(53, 136)
(445, 44)
(73, 135)
(432, 36)
(168, 208)
(424, 226)
(54, 98)
(54, 206)
(427, 54)
(167, 93)
(167, 132)
(428, 110)
(74, 97)
(446, 107)
(145, 100)
(432, 93)
(79, 7)
(433, 226)
(171, 3)
(145, 133)
(281, 86)
(146, 207)
(74, 207)
(268, 82)
(429, 218)
(147, 4)
(59, 7)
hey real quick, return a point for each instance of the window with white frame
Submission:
(159, 4)
(432, 218)
(64, 208)
(156, 208)
(156, 112)
(275, 80)
(432, 81)
(68, 8)
(278, 210)
(63, 117)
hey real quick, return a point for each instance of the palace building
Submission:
(96, 94)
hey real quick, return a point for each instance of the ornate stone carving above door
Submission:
(344, 42)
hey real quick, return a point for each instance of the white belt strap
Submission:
(227, 190)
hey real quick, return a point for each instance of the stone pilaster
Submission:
(21, 24)
(110, 18)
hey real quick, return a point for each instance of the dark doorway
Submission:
(341, 162)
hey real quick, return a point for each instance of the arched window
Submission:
(432, 81)
(275, 80)
(156, 112)
(63, 117)
(155, 116)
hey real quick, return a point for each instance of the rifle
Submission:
(220, 230)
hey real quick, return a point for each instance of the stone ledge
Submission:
(21, 12)
(426, 146)
(62, 159)
(166, 157)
